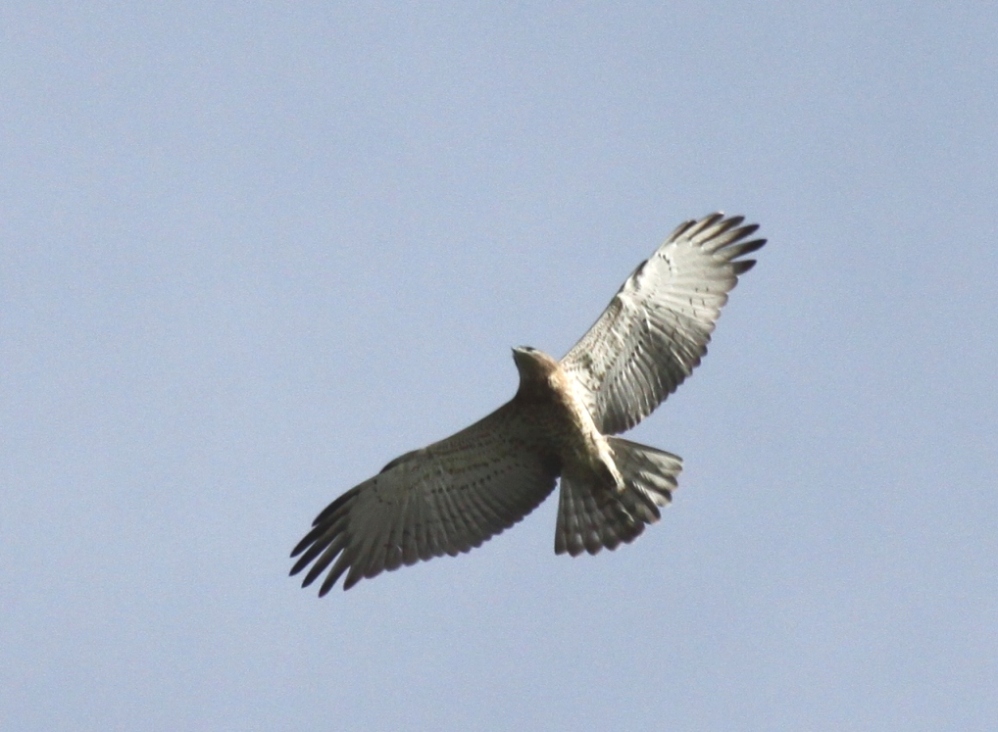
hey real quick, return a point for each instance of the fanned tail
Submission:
(592, 516)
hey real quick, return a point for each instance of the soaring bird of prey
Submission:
(561, 424)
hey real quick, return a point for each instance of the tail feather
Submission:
(592, 516)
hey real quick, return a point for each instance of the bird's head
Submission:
(532, 364)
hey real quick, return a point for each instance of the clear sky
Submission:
(251, 252)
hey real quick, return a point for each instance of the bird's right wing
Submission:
(443, 499)
(656, 329)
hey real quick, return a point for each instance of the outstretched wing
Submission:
(443, 499)
(656, 329)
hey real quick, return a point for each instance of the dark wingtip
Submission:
(750, 246)
(741, 266)
(335, 505)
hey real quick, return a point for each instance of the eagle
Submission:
(561, 425)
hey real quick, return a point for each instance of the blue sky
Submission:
(250, 253)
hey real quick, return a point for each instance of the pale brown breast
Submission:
(558, 417)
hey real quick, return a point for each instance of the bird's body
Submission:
(548, 401)
(454, 494)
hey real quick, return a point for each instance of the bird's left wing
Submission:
(656, 329)
(443, 499)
